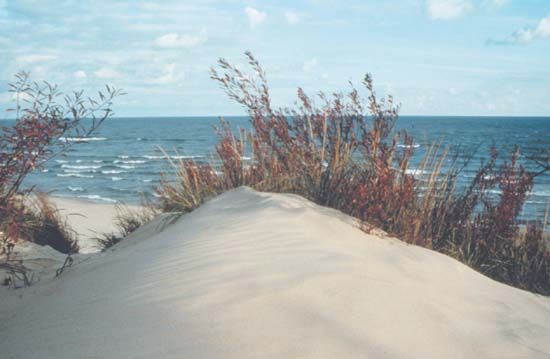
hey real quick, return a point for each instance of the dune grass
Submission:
(127, 221)
(342, 151)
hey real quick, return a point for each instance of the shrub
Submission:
(43, 116)
(345, 154)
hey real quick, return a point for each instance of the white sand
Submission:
(252, 275)
(89, 220)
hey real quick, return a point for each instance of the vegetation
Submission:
(127, 221)
(344, 153)
(44, 115)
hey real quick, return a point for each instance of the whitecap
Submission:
(76, 189)
(416, 171)
(72, 170)
(81, 139)
(113, 172)
(117, 178)
(83, 167)
(130, 161)
(415, 145)
(95, 197)
(184, 157)
(150, 157)
(126, 167)
(73, 174)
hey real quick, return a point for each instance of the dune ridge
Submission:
(261, 275)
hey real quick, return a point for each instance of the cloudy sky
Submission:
(447, 57)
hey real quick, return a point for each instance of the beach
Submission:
(252, 274)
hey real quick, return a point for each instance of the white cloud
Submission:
(80, 74)
(527, 35)
(447, 9)
(34, 58)
(174, 40)
(309, 65)
(107, 73)
(170, 75)
(291, 17)
(254, 16)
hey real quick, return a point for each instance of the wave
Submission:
(542, 193)
(74, 174)
(81, 139)
(177, 157)
(126, 167)
(416, 171)
(117, 178)
(83, 167)
(416, 145)
(150, 157)
(70, 170)
(96, 197)
(75, 189)
(113, 172)
(130, 161)
(123, 156)
(185, 157)
(61, 161)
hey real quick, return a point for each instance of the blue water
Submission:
(123, 160)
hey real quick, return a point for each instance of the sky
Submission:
(436, 57)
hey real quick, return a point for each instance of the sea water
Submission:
(125, 158)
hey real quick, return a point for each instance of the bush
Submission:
(345, 154)
(43, 116)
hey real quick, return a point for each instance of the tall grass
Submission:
(342, 151)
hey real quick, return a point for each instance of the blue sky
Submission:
(437, 57)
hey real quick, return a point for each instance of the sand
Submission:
(256, 275)
(89, 220)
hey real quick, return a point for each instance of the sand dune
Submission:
(255, 275)
(89, 220)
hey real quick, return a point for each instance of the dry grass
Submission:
(344, 153)
(39, 221)
(127, 221)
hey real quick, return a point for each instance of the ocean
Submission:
(123, 160)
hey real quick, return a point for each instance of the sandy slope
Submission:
(252, 275)
(88, 219)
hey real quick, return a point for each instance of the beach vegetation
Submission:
(127, 221)
(44, 115)
(343, 151)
